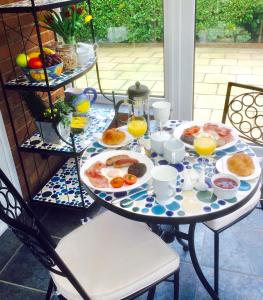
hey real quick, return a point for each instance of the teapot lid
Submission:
(137, 90)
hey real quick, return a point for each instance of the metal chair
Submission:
(245, 113)
(109, 258)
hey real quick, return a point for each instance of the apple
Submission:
(35, 63)
(21, 60)
(33, 54)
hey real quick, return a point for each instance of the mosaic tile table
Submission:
(63, 188)
(186, 205)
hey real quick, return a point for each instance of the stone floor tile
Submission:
(250, 79)
(151, 67)
(212, 55)
(129, 75)
(127, 67)
(112, 84)
(257, 70)
(13, 292)
(124, 60)
(238, 70)
(158, 55)
(8, 246)
(210, 101)
(107, 66)
(104, 58)
(202, 61)
(222, 88)
(147, 60)
(205, 88)
(234, 286)
(219, 78)
(223, 62)
(199, 77)
(155, 76)
(257, 55)
(128, 83)
(202, 114)
(250, 62)
(122, 52)
(110, 74)
(217, 115)
(158, 87)
(249, 50)
(226, 49)
(237, 55)
(208, 69)
(254, 220)
(24, 269)
(236, 246)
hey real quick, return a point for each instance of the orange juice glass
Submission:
(204, 146)
(137, 127)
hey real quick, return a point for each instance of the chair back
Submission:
(245, 111)
(16, 213)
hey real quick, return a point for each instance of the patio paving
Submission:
(121, 66)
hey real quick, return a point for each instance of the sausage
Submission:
(110, 161)
(125, 162)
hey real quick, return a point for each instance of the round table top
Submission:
(186, 206)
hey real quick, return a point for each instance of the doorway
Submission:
(7, 163)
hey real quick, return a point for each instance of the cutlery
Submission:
(148, 191)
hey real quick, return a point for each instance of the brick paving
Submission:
(121, 66)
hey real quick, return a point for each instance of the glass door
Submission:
(130, 45)
(229, 47)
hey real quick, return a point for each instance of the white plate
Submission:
(221, 166)
(179, 130)
(102, 157)
(128, 139)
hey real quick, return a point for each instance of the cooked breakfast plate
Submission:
(222, 167)
(116, 171)
(127, 139)
(224, 136)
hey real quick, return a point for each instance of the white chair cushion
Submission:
(219, 223)
(113, 257)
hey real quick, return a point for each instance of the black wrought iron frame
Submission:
(33, 9)
(17, 214)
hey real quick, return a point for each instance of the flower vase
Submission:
(49, 134)
(69, 40)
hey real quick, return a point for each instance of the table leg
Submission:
(196, 265)
(180, 240)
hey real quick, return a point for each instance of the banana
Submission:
(48, 51)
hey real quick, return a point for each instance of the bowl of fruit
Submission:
(32, 65)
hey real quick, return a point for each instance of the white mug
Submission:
(164, 183)
(157, 140)
(161, 111)
(174, 151)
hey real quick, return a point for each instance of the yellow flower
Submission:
(88, 18)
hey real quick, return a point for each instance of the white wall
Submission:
(7, 163)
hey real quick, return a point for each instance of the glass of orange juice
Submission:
(204, 146)
(137, 127)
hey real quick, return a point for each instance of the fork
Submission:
(149, 192)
